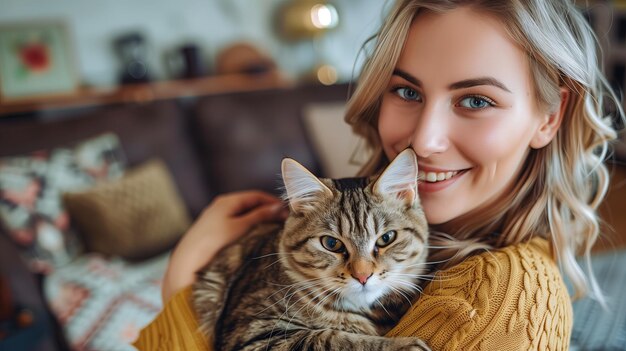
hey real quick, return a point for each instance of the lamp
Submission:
(300, 20)
(306, 19)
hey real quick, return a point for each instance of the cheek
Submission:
(395, 127)
(494, 142)
(313, 262)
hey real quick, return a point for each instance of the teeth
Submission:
(433, 177)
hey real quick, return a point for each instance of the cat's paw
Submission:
(411, 344)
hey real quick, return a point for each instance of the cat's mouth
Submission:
(434, 177)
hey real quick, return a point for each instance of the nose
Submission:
(362, 277)
(362, 270)
(431, 132)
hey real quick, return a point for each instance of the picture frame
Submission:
(36, 58)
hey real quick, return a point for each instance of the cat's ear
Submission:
(399, 179)
(303, 189)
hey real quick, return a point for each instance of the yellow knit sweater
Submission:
(510, 299)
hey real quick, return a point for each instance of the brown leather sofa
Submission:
(211, 144)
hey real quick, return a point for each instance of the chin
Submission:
(438, 215)
(435, 220)
(356, 297)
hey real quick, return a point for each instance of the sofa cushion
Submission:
(135, 217)
(30, 196)
(157, 129)
(244, 136)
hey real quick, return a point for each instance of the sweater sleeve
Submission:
(175, 328)
(510, 299)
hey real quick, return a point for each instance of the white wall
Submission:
(210, 23)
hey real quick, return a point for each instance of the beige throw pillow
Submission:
(135, 217)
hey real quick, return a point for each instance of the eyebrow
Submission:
(467, 83)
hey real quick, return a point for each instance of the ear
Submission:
(551, 123)
(399, 179)
(303, 189)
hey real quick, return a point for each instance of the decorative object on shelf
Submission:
(244, 58)
(132, 50)
(36, 58)
(310, 20)
(186, 62)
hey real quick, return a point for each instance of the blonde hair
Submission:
(561, 185)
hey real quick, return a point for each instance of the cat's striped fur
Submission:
(338, 275)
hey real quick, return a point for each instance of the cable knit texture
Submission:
(509, 299)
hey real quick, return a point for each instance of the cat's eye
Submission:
(386, 238)
(332, 244)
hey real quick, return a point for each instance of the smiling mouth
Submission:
(435, 177)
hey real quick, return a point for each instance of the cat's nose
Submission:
(362, 277)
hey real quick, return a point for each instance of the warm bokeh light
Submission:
(327, 74)
(324, 16)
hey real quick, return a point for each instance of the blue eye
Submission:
(408, 94)
(476, 102)
(386, 238)
(332, 244)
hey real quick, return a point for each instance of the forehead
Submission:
(461, 44)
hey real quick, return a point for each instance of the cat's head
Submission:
(357, 240)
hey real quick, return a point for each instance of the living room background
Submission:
(209, 24)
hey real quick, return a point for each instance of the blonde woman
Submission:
(502, 101)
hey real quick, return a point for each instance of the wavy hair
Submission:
(561, 185)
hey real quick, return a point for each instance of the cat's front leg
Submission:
(323, 340)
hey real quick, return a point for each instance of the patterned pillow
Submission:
(104, 303)
(30, 196)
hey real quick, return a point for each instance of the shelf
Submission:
(141, 93)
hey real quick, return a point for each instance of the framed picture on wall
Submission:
(36, 58)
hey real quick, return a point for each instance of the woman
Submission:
(502, 102)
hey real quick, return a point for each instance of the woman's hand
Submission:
(227, 218)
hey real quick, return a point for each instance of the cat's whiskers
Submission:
(439, 247)
(286, 312)
(272, 254)
(439, 278)
(309, 290)
(327, 296)
(399, 292)
(404, 288)
(430, 263)
(428, 277)
(273, 263)
(383, 306)
(307, 283)
(337, 292)
(413, 275)
(339, 299)
(305, 305)
(299, 282)
(280, 259)
(412, 285)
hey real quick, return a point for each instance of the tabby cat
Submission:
(339, 274)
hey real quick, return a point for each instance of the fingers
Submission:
(243, 201)
(266, 213)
